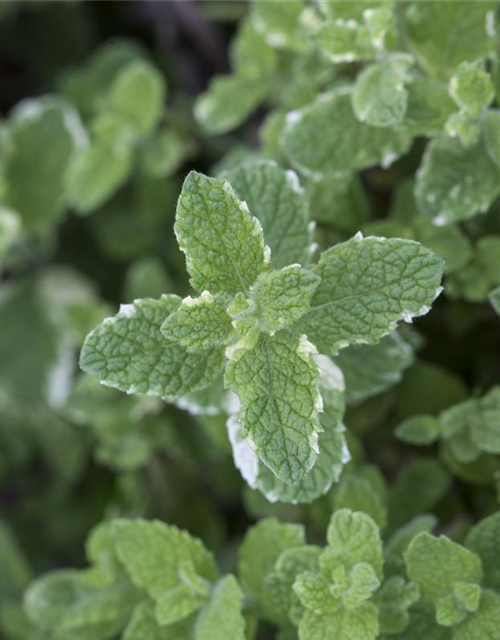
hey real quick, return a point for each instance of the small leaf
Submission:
(223, 243)
(419, 430)
(484, 539)
(222, 618)
(471, 88)
(341, 624)
(491, 135)
(484, 623)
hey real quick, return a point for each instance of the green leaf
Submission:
(339, 200)
(464, 127)
(169, 564)
(438, 564)
(223, 243)
(276, 198)
(221, 617)
(455, 607)
(353, 537)
(34, 189)
(471, 88)
(143, 624)
(251, 55)
(393, 601)
(318, 143)
(422, 624)
(341, 624)
(371, 369)
(491, 135)
(164, 154)
(16, 572)
(455, 183)
(136, 96)
(419, 430)
(276, 380)
(429, 106)
(494, 298)
(344, 41)
(10, 228)
(95, 174)
(199, 323)
(367, 286)
(442, 35)
(128, 352)
(484, 623)
(282, 297)
(380, 97)
(484, 540)
(280, 23)
(262, 546)
(358, 493)
(228, 102)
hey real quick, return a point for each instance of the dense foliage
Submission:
(218, 420)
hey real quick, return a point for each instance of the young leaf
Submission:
(455, 183)
(340, 623)
(438, 564)
(318, 143)
(276, 198)
(484, 623)
(282, 297)
(221, 618)
(143, 624)
(380, 97)
(419, 430)
(199, 323)
(279, 23)
(484, 539)
(367, 286)
(223, 243)
(128, 352)
(471, 88)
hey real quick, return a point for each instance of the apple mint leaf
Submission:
(379, 96)
(34, 189)
(464, 127)
(250, 53)
(221, 617)
(276, 198)
(428, 107)
(143, 624)
(359, 492)
(169, 564)
(199, 323)
(276, 379)
(129, 352)
(372, 369)
(455, 183)
(484, 623)
(484, 539)
(282, 297)
(353, 537)
(317, 143)
(454, 608)
(491, 134)
(438, 564)
(367, 286)
(164, 154)
(95, 173)
(339, 623)
(443, 34)
(136, 96)
(471, 88)
(262, 546)
(339, 200)
(393, 601)
(418, 430)
(280, 23)
(228, 102)
(223, 243)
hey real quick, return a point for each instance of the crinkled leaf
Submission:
(251, 55)
(326, 137)
(359, 493)
(223, 243)
(484, 539)
(429, 106)
(484, 623)
(129, 352)
(341, 624)
(471, 88)
(367, 286)
(276, 380)
(437, 564)
(222, 618)
(143, 624)
(276, 198)
(199, 323)
(393, 601)
(279, 23)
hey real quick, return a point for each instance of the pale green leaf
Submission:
(280, 23)
(484, 623)
(262, 546)
(339, 200)
(223, 243)
(484, 539)
(367, 286)
(276, 380)
(282, 297)
(326, 137)
(494, 298)
(471, 88)
(143, 626)
(341, 624)
(345, 41)
(437, 564)
(456, 606)
(251, 55)
(455, 183)
(146, 277)
(128, 352)
(276, 198)
(393, 601)
(429, 106)
(464, 127)
(10, 228)
(228, 102)
(199, 323)
(379, 96)
(163, 154)
(491, 134)
(222, 618)
(358, 493)
(422, 625)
